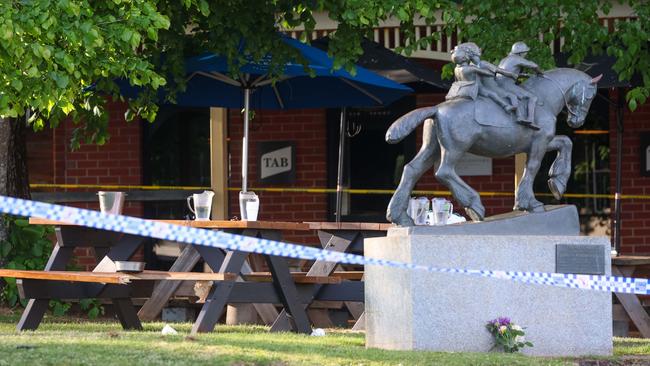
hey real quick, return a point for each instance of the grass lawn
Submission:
(68, 341)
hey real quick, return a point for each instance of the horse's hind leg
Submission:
(465, 195)
(423, 161)
(561, 167)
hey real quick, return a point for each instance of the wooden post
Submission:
(520, 165)
(219, 162)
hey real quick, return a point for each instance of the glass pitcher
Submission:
(417, 210)
(202, 205)
(442, 210)
(249, 205)
(111, 202)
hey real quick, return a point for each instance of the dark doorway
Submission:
(369, 162)
(176, 152)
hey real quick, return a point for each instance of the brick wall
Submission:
(307, 127)
(50, 160)
(635, 213)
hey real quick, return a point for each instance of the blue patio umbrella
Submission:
(210, 84)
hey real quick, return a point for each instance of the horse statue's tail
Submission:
(408, 122)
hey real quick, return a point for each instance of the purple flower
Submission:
(504, 321)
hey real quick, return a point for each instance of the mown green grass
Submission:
(68, 341)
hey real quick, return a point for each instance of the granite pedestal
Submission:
(416, 310)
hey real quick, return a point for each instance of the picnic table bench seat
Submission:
(123, 278)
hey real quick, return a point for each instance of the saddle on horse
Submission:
(486, 111)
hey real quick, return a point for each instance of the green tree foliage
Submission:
(59, 57)
(52, 51)
(496, 24)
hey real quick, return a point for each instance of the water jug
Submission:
(417, 210)
(202, 205)
(442, 210)
(249, 205)
(111, 202)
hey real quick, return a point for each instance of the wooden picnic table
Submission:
(117, 246)
(191, 254)
(626, 266)
(342, 237)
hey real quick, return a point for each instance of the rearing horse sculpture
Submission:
(481, 127)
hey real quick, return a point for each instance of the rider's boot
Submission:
(528, 124)
(529, 120)
(532, 102)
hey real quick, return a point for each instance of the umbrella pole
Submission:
(619, 155)
(244, 151)
(339, 177)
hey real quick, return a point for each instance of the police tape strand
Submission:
(226, 241)
(356, 191)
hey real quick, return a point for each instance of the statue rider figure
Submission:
(514, 63)
(477, 79)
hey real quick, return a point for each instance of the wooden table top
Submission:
(211, 224)
(370, 226)
(630, 260)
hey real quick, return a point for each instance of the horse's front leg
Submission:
(423, 161)
(525, 198)
(561, 168)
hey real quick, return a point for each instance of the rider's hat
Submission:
(519, 47)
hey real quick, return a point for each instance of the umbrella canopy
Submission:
(394, 66)
(210, 84)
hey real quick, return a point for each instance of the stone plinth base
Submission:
(416, 310)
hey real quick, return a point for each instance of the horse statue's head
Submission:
(578, 100)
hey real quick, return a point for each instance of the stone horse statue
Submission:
(483, 128)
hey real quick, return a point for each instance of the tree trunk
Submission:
(13, 158)
(13, 164)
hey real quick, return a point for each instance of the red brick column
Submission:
(635, 213)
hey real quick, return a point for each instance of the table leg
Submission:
(165, 289)
(219, 293)
(213, 257)
(100, 253)
(320, 268)
(267, 312)
(360, 324)
(35, 309)
(631, 303)
(125, 247)
(286, 288)
(123, 307)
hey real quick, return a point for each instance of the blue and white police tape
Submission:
(219, 239)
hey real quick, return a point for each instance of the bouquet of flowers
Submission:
(507, 335)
